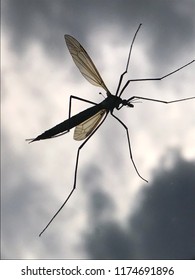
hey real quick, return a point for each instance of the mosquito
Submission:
(87, 122)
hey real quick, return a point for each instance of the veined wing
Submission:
(84, 62)
(85, 128)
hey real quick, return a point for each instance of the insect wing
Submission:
(84, 62)
(85, 128)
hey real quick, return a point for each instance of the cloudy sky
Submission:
(113, 214)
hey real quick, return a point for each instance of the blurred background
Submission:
(113, 214)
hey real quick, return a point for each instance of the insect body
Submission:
(92, 115)
(88, 121)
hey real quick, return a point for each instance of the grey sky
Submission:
(29, 20)
(112, 214)
(162, 226)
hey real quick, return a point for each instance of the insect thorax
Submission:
(112, 102)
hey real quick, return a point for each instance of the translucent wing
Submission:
(84, 62)
(85, 128)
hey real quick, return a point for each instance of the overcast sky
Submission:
(113, 214)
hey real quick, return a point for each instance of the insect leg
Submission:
(155, 79)
(75, 173)
(129, 145)
(128, 60)
(77, 98)
(157, 100)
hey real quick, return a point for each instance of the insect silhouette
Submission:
(87, 122)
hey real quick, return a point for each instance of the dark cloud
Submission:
(165, 223)
(106, 240)
(168, 26)
(162, 227)
(110, 241)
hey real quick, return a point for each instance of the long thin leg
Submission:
(80, 99)
(129, 145)
(157, 100)
(155, 79)
(128, 60)
(75, 174)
